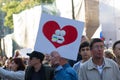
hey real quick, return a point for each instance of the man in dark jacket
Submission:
(36, 70)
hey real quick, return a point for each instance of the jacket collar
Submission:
(91, 65)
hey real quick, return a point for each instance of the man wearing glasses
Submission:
(98, 67)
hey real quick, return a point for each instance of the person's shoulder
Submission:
(86, 64)
(48, 69)
(109, 61)
(29, 68)
(20, 71)
(70, 70)
(89, 61)
(49, 72)
(76, 64)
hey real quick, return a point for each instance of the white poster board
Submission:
(59, 34)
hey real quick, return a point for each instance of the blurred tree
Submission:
(10, 7)
(46, 1)
(1, 20)
(15, 6)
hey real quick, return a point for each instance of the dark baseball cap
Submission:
(36, 54)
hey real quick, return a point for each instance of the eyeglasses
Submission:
(98, 47)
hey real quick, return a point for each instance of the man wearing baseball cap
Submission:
(36, 55)
(36, 70)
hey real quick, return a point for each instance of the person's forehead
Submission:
(98, 43)
(85, 47)
(54, 54)
(117, 45)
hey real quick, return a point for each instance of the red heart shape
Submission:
(50, 27)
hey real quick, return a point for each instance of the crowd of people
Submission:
(94, 63)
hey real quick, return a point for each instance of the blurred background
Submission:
(19, 20)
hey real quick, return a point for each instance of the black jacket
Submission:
(48, 72)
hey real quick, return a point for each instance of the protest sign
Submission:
(59, 34)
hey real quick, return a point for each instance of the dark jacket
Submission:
(48, 72)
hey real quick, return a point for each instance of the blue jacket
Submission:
(60, 74)
(72, 75)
